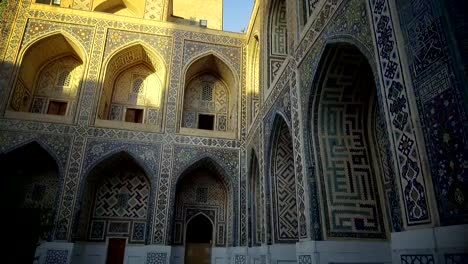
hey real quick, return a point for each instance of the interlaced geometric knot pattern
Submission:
(277, 38)
(131, 187)
(285, 186)
(348, 177)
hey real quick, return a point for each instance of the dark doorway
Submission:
(29, 184)
(198, 240)
(116, 250)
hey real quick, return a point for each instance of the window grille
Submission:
(207, 92)
(64, 79)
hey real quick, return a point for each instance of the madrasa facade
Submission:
(330, 131)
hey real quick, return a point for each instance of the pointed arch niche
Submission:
(133, 8)
(30, 187)
(133, 89)
(283, 184)
(202, 189)
(210, 98)
(115, 201)
(255, 203)
(351, 146)
(49, 79)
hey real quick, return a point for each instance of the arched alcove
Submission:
(30, 185)
(255, 202)
(210, 97)
(344, 127)
(115, 201)
(202, 190)
(120, 7)
(133, 87)
(277, 34)
(283, 184)
(50, 77)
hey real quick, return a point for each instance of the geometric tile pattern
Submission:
(56, 257)
(398, 111)
(417, 259)
(240, 259)
(123, 195)
(154, 9)
(138, 232)
(206, 94)
(73, 146)
(350, 19)
(284, 201)
(438, 90)
(388, 177)
(347, 175)
(461, 258)
(188, 204)
(305, 259)
(298, 156)
(277, 38)
(156, 258)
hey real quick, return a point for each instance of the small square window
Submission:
(206, 122)
(57, 108)
(134, 115)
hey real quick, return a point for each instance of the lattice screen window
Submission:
(64, 78)
(207, 92)
(138, 84)
(202, 195)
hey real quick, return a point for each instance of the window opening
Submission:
(57, 108)
(206, 122)
(134, 115)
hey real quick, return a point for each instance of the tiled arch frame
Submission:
(83, 54)
(145, 156)
(405, 136)
(375, 227)
(388, 74)
(282, 230)
(217, 167)
(255, 188)
(315, 198)
(193, 59)
(59, 160)
(110, 55)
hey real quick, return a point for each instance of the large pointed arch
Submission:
(209, 92)
(49, 79)
(115, 200)
(134, 82)
(201, 180)
(30, 192)
(342, 127)
(282, 183)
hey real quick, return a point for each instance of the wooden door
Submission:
(197, 253)
(116, 251)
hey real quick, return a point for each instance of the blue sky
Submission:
(237, 14)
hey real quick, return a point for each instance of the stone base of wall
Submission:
(443, 245)
(351, 251)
